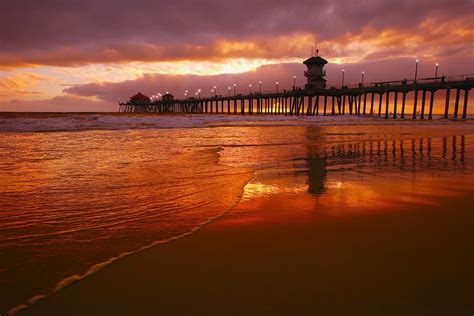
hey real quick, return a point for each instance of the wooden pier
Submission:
(372, 99)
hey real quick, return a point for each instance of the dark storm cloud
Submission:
(87, 31)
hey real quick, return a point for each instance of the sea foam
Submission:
(32, 122)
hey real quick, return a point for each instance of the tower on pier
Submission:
(315, 73)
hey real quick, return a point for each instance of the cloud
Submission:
(386, 69)
(86, 32)
(57, 104)
(20, 81)
(24, 84)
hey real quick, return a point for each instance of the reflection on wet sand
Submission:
(423, 154)
(353, 170)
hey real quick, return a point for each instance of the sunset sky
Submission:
(86, 55)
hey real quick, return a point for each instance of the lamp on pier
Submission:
(436, 71)
(215, 89)
(250, 88)
(342, 80)
(260, 82)
(417, 61)
(235, 85)
(294, 82)
(362, 74)
(276, 85)
(229, 88)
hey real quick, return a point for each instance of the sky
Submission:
(88, 55)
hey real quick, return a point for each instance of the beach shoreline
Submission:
(322, 199)
(284, 262)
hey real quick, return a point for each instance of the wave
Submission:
(31, 122)
(99, 266)
(63, 283)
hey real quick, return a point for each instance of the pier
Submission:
(387, 99)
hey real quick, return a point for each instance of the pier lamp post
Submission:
(212, 93)
(362, 74)
(215, 89)
(260, 82)
(199, 93)
(277, 85)
(250, 88)
(294, 82)
(185, 94)
(342, 80)
(235, 86)
(416, 68)
(229, 88)
(196, 94)
(436, 71)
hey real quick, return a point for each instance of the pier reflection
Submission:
(354, 164)
(375, 157)
(317, 174)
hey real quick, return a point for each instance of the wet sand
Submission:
(279, 259)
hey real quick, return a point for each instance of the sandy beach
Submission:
(403, 261)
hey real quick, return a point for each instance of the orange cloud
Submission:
(20, 84)
(20, 81)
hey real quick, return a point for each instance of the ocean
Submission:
(80, 191)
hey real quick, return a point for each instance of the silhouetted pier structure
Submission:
(371, 99)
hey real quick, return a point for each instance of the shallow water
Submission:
(75, 193)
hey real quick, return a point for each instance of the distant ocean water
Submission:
(79, 191)
(55, 122)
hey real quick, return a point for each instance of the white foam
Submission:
(99, 266)
(81, 122)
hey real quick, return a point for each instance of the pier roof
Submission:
(140, 96)
(315, 60)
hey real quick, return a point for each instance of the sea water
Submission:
(80, 191)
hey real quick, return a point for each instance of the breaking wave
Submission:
(55, 122)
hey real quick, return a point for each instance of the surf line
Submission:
(99, 266)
